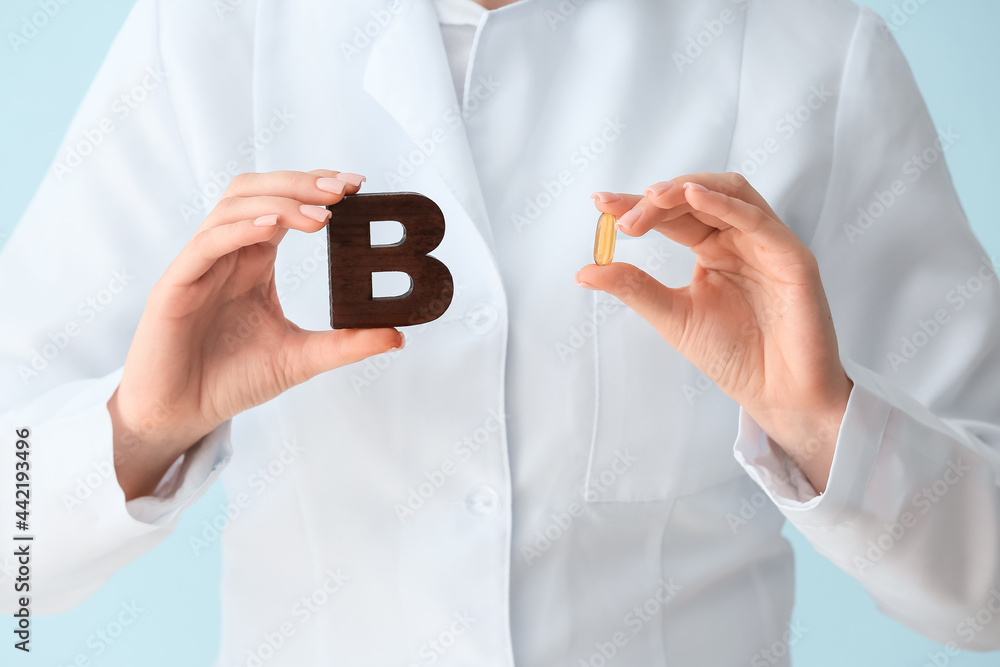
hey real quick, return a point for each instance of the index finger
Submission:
(321, 187)
(670, 194)
(637, 215)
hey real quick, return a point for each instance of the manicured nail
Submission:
(581, 283)
(266, 220)
(334, 185)
(354, 179)
(658, 189)
(630, 218)
(605, 197)
(402, 342)
(317, 213)
(695, 186)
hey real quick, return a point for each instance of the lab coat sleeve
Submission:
(74, 275)
(912, 507)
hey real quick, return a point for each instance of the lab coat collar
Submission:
(408, 74)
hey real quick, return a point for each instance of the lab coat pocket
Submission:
(662, 430)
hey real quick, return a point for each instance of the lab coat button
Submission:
(481, 319)
(483, 501)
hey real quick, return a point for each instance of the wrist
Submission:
(809, 436)
(146, 443)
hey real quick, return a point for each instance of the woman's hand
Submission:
(213, 340)
(754, 319)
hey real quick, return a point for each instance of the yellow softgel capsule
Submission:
(604, 243)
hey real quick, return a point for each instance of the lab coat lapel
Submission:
(308, 55)
(408, 74)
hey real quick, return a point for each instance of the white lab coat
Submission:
(537, 478)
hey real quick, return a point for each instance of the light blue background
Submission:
(952, 46)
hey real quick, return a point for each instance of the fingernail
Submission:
(334, 185)
(354, 179)
(266, 220)
(402, 342)
(658, 189)
(695, 186)
(317, 213)
(605, 197)
(581, 283)
(626, 221)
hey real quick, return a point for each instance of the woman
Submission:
(542, 475)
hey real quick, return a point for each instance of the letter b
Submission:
(353, 260)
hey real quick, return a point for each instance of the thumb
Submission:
(326, 350)
(665, 308)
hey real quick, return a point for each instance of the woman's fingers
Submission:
(638, 215)
(321, 351)
(292, 214)
(685, 210)
(670, 194)
(723, 211)
(310, 191)
(209, 245)
(321, 186)
(665, 308)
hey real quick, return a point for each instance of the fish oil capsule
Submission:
(604, 243)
